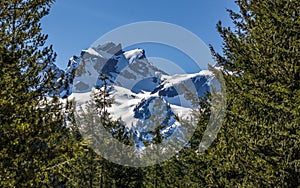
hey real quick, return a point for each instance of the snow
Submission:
(182, 112)
(80, 98)
(180, 78)
(125, 100)
(93, 52)
(133, 55)
(124, 103)
(88, 77)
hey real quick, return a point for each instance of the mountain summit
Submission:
(143, 94)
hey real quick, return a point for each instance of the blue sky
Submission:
(73, 25)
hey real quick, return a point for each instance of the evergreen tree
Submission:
(33, 138)
(93, 169)
(259, 142)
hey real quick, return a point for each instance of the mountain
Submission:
(144, 96)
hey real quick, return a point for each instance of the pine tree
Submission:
(34, 138)
(258, 144)
(91, 168)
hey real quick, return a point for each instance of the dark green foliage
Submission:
(33, 136)
(258, 144)
(90, 169)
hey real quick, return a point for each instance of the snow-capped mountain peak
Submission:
(144, 95)
(133, 55)
(91, 52)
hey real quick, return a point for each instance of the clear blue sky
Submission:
(73, 25)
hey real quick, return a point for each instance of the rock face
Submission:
(144, 96)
